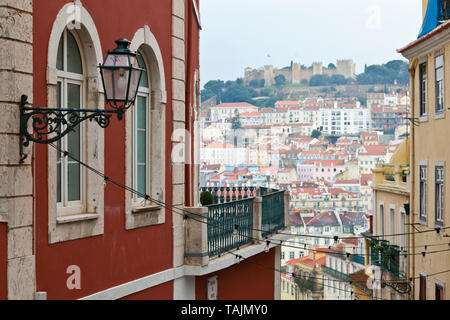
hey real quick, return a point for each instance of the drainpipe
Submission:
(412, 73)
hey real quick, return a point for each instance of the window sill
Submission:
(146, 209)
(438, 224)
(423, 118)
(77, 218)
(439, 115)
(423, 222)
(139, 217)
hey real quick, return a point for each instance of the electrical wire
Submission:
(147, 197)
(165, 205)
(172, 208)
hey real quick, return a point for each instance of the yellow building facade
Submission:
(429, 58)
(391, 224)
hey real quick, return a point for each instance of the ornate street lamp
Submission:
(121, 75)
(120, 78)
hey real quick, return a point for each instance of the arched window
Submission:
(141, 140)
(75, 195)
(145, 137)
(69, 94)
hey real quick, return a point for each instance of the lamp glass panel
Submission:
(121, 78)
(117, 60)
(134, 83)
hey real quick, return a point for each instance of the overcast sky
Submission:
(252, 33)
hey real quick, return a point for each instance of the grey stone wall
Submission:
(16, 187)
(297, 74)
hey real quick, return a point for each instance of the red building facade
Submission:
(67, 233)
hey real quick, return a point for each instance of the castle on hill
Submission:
(297, 73)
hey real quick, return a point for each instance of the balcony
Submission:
(386, 256)
(358, 258)
(392, 177)
(335, 274)
(256, 212)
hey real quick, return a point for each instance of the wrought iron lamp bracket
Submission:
(49, 125)
(402, 287)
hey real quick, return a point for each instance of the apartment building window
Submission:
(69, 94)
(423, 193)
(423, 89)
(382, 220)
(422, 287)
(403, 228)
(439, 194)
(291, 255)
(141, 135)
(439, 291)
(439, 85)
(392, 216)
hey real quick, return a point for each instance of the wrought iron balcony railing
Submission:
(386, 256)
(212, 230)
(222, 219)
(358, 258)
(335, 274)
(272, 212)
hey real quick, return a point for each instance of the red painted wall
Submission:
(3, 261)
(243, 281)
(192, 64)
(118, 255)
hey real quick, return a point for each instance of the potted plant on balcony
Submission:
(206, 198)
(389, 256)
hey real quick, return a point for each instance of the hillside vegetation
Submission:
(392, 75)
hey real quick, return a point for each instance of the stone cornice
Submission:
(428, 43)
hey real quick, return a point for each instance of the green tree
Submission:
(315, 134)
(338, 79)
(237, 93)
(206, 94)
(388, 73)
(215, 86)
(280, 80)
(236, 123)
(255, 83)
(319, 80)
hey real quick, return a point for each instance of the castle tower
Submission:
(269, 78)
(317, 68)
(346, 68)
(247, 75)
(296, 78)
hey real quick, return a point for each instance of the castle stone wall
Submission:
(296, 74)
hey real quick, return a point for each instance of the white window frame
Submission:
(139, 212)
(423, 192)
(382, 218)
(66, 207)
(145, 93)
(64, 225)
(439, 218)
(393, 224)
(423, 91)
(64, 77)
(438, 94)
